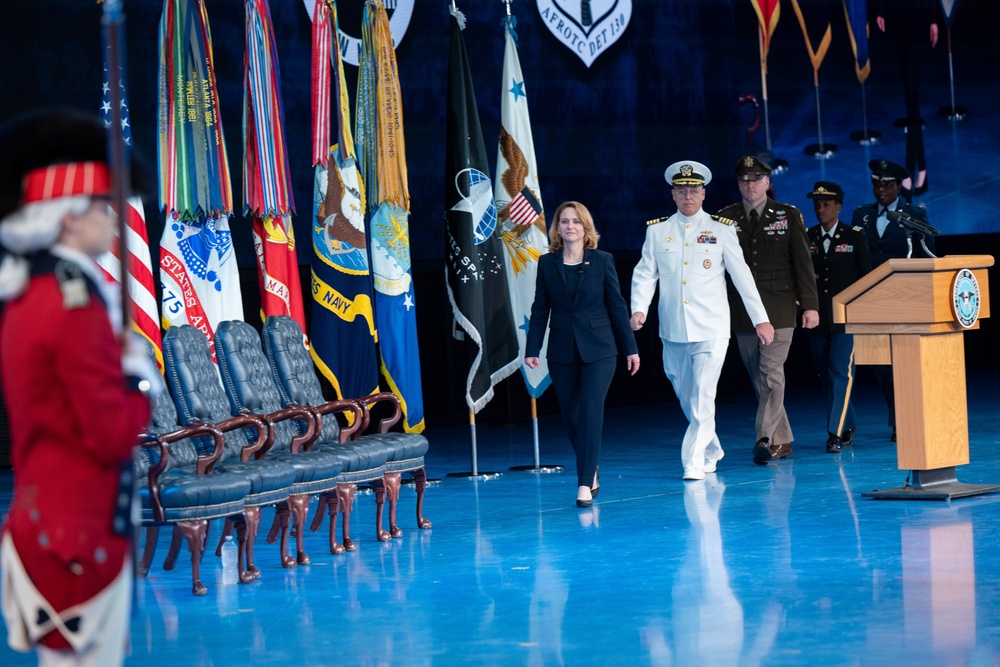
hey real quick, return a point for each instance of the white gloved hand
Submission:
(137, 363)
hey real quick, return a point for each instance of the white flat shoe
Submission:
(693, 474)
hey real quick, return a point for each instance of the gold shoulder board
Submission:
(725, 221)
(653, 222)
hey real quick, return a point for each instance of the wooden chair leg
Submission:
(392, 481)
(272, 534)
(318, 518)
(336, 548)
(282, 518)
(299, 506)
(175, 545)
(379, 486)
(196, 533)
(251, 517)
(420, 483)
(148, 551)
(345, 502)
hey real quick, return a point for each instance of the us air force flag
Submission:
(519, 202)
(475, 272)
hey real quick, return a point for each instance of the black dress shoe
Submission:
(847, 437)
(833, 444)
(597, 479)
(762, 452)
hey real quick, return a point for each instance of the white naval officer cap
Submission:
(688, 172)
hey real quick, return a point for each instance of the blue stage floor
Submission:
(784, 564)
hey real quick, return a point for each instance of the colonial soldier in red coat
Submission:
(73, 392)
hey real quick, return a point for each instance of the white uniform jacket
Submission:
(688, 257)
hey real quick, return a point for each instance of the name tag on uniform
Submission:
(707, 237)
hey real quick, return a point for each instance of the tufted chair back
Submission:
(194, 381)
(247, 377)
(293, 369)
(163, 419)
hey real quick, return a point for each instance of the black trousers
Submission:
(581, 389)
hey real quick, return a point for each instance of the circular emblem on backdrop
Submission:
(399, 12)
(965, 298)
(707, 263)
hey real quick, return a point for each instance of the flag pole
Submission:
(953, 112)
(538, 467)
(778, 165)
(820, 151)
(864, 136)
(113, 19)
(475, 473)
(763, 86)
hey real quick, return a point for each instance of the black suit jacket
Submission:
(837, 269)
(893, 243)
(597, 320)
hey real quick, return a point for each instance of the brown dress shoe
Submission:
(783, 451)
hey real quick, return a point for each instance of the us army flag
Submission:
(198, 271)
(475, 271)
(519, 203)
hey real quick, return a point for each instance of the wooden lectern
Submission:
(911, 313)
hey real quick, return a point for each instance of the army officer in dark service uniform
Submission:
(888, 240)
(840, 256)
(773, 238)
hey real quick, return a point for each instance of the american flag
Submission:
(142, 288)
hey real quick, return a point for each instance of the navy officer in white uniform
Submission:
(687, 255)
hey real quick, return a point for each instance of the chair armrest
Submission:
(360, 416)
(301, 413)
(384, 396)
(265, 434)
(161, 442)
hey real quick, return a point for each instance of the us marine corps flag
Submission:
(476, 276)
(343, 321)
(519, 203)
(267, 187)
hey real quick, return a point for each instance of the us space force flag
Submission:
(519, 204)
(198, 271)
(267, 187)
(474, 267)
(856, 12)
(382, 157)
(343, 319)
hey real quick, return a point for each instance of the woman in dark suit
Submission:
(577, 294)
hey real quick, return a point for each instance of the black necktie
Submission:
(884, 212)
(827, 239)
(754, 219)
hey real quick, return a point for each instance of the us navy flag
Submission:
(476, 275)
